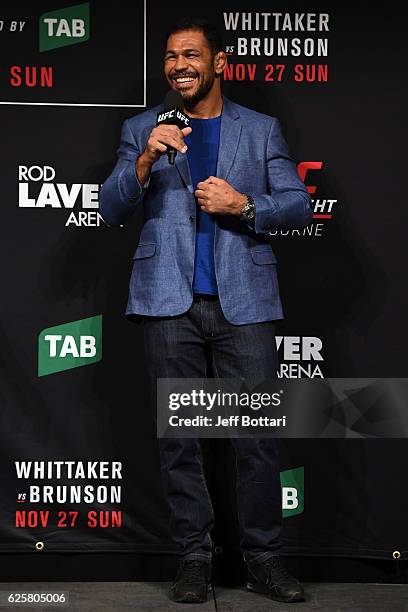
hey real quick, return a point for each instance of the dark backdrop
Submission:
(343, 285)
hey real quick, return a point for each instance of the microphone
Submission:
(172, 115)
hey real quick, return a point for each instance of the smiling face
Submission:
(190, 66)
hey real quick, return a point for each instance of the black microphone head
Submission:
(173, 99)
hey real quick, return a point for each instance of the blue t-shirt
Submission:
(202, 154)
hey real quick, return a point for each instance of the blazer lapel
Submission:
(184, 170)
(229, 138)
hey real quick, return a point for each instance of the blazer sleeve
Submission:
(122, 192)
(287, 203)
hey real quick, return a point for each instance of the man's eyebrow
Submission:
(184, 51)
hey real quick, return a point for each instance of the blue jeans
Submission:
(177, 347)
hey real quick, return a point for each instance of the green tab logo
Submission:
(65, 26)
(70, 345)
(292, 483)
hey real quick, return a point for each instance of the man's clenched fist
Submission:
(217, 197)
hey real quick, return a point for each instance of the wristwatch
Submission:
(248, 212)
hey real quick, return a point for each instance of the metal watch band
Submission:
(248, 212)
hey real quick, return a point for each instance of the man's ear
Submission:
(220, 61)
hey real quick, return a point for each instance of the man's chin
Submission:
(198, 93)
(188, 94)
(190, 100)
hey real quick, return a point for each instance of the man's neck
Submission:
(206, 109)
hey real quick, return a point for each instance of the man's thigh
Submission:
(243, 351)
(174, 347)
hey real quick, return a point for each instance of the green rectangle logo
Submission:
(70, 345)
(293, 499)
(63, 27)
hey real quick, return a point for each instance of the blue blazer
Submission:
(253, 157)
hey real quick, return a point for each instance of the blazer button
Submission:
(192, 218)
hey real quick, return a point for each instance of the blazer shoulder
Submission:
(251, 116)
(142, 120)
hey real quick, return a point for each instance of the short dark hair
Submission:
(209, 30)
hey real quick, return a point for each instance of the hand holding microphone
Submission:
(174, 116)
(166, 137)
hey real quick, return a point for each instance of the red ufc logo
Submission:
(303, 167)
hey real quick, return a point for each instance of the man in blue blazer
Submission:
(204, 280)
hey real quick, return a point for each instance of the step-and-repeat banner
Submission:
(79, 460)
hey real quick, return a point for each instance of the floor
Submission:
(152, 597)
